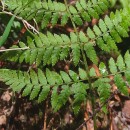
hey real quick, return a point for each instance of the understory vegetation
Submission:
(67, 59)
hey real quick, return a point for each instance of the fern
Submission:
(79, 91)
(51, 12)
(121, 84)
(104, 88)
(57, 47)
(39, 84)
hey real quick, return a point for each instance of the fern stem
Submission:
(75, 29)
(27, 25)
(92, 98)
(85, 63)
(14, 49)
(45, 116)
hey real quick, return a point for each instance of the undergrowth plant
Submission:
(81, 47)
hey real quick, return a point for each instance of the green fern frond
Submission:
(37, 85)
(51, 12)
(48, 49)
(103, 84)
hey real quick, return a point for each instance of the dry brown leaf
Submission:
(2, 120)
(6, 96)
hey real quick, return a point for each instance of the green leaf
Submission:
(58, 78)
(64, 19)
(47, 55)
(86, 16)
(73, 37)
(79, 90)
(120, 84)
(41, 77)
(38, 41)
(43, 94)
(90, 52)
(33, 56)
(90, 33)
(54, 97)
(121, 31)
(35, 91)
(55, 17)
(75, 53)
(82, 37)
(112, 66)
(27, 90)
(64, 53)
(72, 10)
(40, 54)
(97, 30)
(127, 76)
(108, 22)
(102, 45)
(83, 3)
(102, 25)
(65, 77)
(115, 36)
(50, 77)
(82, 74)
(34, 78)
(77, 20)
(92, 72)
(127, 59)
(93, 13)
(62, 97)
(120, 63)
(78, 6)
(73, 75)
(55, 55)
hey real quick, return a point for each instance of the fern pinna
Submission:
(46, 49)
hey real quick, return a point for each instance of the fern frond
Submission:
(50, 48)
(38, 85)
(51, 12)
(103, 84)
